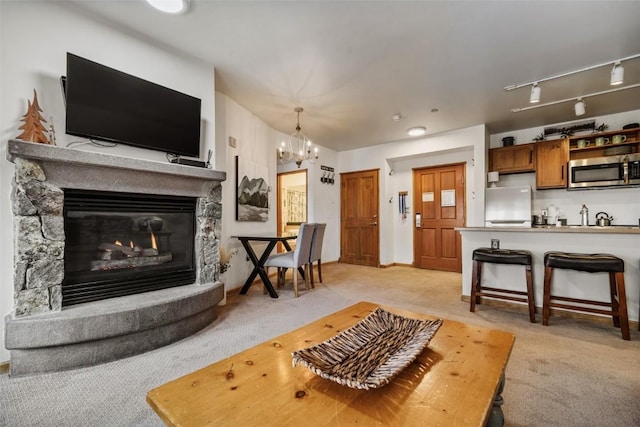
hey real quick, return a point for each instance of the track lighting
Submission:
(616, 64)
(617, 74)
(579, 107)
(535, 93)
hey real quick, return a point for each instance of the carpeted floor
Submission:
(571, 373)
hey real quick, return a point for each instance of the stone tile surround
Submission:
(41, 173)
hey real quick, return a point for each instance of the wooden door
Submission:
(439, 199)
(359, 236)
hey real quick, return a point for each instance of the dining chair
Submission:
(316, 251)
(299, 257)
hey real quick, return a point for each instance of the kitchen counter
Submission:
(621, 241)
(614, 229)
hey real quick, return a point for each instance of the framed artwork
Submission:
(252, 191)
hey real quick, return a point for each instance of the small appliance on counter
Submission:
(508, 207)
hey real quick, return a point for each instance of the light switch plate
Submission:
(232, 142)
(495, 244)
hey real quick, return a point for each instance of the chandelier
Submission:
(299, 146)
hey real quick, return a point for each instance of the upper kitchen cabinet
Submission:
(602, 144)
(513, 158)
(551, 158)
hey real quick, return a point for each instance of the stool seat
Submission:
(592, 263)
(502, 256)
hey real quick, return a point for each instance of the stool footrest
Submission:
(581, 301)
(585, 309)
(505, 291)
(505, 297)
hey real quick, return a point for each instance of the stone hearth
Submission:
(41, 335)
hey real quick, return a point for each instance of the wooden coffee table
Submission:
(456, 381)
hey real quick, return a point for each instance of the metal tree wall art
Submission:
(33, 128)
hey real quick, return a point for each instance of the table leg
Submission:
(258, 268)
(496, 416)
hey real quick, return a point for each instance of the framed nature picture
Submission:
(252, 191)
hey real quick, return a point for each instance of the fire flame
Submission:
(154, 245)
(118, 243)
(131, 245)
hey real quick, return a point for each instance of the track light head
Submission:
(617, 74)
(579, 108)
(535, 93)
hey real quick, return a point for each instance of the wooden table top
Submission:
(452, 382)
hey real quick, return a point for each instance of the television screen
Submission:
(109, 105)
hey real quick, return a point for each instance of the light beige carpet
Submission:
(571, 373)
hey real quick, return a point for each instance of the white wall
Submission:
(258, 143)
(464, 145)
(623, 204)
(35, 37)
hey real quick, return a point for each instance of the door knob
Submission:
(373, 223)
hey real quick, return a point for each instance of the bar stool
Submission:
(501, 256)
(590, 263)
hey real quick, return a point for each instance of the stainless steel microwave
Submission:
(610, 171)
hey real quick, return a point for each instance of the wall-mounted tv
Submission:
(108, 105)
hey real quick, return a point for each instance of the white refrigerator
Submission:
(508, 207)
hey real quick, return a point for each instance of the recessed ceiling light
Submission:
(170, 6)
(417, 131)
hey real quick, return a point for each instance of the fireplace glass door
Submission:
(119, 244)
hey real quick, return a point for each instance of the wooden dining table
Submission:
(258, 262)
(455, 381)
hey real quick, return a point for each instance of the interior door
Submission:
(439, 200)
(359, 235)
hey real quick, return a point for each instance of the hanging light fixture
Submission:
(579, 107)
(299, 146)
(617, 74)
(535, 93)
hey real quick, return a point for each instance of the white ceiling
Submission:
(353, 64)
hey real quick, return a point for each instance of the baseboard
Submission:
(4, 367)
(395, 264)
(522, 307)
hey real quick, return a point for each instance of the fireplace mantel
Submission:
(114, 328)
(85, 170)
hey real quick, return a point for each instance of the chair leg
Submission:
(295, 282)
(475, 284)
(546, 300)
(530, 298)
(320, 270)
(306, 276)
(614, 299)
(622, 299)
(311, 274)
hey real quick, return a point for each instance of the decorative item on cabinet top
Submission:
(327, 175)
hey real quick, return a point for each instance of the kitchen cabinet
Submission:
(630, 145)
(513, 158)
(551, 160)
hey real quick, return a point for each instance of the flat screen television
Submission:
(108, 105)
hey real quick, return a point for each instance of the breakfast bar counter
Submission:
(621, 241)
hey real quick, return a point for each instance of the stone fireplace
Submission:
(113, 256)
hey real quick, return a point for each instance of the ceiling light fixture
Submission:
(538, 81)
(579, 107)
(535, 93)
(417, 131)
(299, 146)
(560, 101)
(170, 6)
(617, 74)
